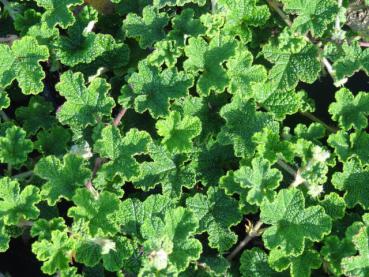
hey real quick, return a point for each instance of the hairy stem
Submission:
(314, 118)
(119, 117)
(23, 175)
(255, 232)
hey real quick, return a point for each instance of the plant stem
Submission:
(119, 117)
(10, 11)
(289, 169)
(10, 170)
(255, 232)
(364, 44)
(4, 116)
(314, 118)
(8, 39)
(23, 175)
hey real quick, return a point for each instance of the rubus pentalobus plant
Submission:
(185, 137)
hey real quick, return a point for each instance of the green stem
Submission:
(314, 118)
(4, 116)
(23, 175)
(255, 232)
(10, 169)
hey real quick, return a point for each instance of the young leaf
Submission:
(206, 59)
(313, 16)
(16, 204)
(154, 88)
(85, 105)
(121, 151)
(43, 228)
(350, 111)
(178, 132)
(63, 177)
(358, 265)
(261, 179)
(98, 214)
(146, 29)
(14, 147)
(55, 253)
(242, 121)
(58, 12)
(293, 224)
(216, 213)
(21, 62)
(353, 181)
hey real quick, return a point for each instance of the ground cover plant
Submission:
(184, 138)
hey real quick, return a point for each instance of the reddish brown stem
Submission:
(119, 117)
(364, 44)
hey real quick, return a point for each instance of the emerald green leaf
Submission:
(15, 204)
(146, 29)
(242, 121)
(85, 105)
(293, 224)
(14, 147)
(43, 228)
(242, 74)
(217, 213)
(58, 12)
(300, 266)
(260, 178)
(121, 150)
(21, 62)
(313, 16)
(53, 141)
(4, 238)
(166, 52)
(163, 3)
(353, 182)
(292, 65)
(178, 132)
(55, 253)
(172, 171)
(154, 88)
(334, 250)
(175, 230)
(98, 213)
(358, 265)
(37, 115)
(206, 59)
(270, 147)
(334, 205)
(350, 111)
(63, 177)
(4, 100)
(254, 262)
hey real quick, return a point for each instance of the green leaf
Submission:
(37, 115)
(334, 205)
(206, 59)
(53, 141)
(293, 224)
(121, 151)
(237, 132)
(4, 100)
(300, 266)
(163, 3)
(314, 16)
(84, 105)
(14, 147)
(334, 250)
(260, 178)
(21, 62)
(97, 213)
(176, 230)
(166, 52)
(350, 111)
(271, 147)
(58, 12)
(254, 262)
(178, 132)
(358, 265)
(292, 65)
(43, 228)
(171, 171)
(55, 253)
(353, 181)
(4, 238)
(216, 213)
(146, 29)
(243, 74)
(16, 205)
(63, 177)
(154, 88)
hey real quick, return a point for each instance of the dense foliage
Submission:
(174, 137)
